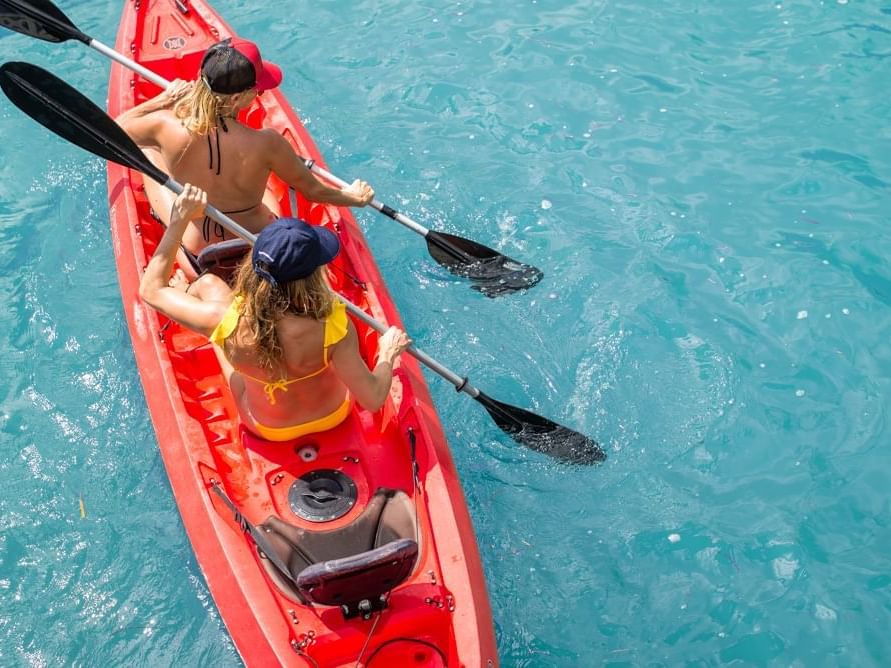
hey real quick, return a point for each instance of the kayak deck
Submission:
(439, 616)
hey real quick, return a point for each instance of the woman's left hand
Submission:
(189, 205)
(176, 89)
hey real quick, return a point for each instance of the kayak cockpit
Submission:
(353, 566)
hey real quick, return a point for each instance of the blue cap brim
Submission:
(328, 241)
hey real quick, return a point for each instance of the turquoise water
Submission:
(706, 186)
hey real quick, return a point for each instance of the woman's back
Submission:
(230, 165)
(303, 386)
(283, 339)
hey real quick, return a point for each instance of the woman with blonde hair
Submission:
(191, 131)
(285, 344)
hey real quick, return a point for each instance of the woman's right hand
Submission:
(391, 344)
(189, 205)
(360, 191)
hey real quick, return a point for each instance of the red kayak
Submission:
(369, 517)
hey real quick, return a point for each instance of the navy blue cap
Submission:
(289, 249)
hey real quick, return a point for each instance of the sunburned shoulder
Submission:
(273, 138)
(265, 139)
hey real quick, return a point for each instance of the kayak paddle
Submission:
(491, 272)
(62, 109)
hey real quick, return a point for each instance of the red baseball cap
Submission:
(234, 65)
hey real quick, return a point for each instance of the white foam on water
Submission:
(689, 342)
(821, 611)
(785, 568)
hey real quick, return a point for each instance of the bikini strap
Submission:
(228, 322)
(270, 387)
(336, 326)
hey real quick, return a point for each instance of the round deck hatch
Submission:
(322, 495)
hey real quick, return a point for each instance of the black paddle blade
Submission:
(492, 273)
(40, 19)
(60, 108)
(543, 435)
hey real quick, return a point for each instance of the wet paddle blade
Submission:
(60, 108)
(492, 273)
(543, 435)
(40, 19)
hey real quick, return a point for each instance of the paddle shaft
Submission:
(375, 203)
(461, 384)
(144, 72)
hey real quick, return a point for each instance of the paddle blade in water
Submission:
(40, 19)
(60, 108)
(543, 435)
(492, 273)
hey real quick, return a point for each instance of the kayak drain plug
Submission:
(322, 495)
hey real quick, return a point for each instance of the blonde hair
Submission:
(265, 304)
(200, 109)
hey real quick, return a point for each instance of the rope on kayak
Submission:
(416, 475)
(297, 647)
(368, 639)
(258, 537)
(355, 279)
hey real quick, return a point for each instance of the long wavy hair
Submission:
(264, 305)
(200, 109)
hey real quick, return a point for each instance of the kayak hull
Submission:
(440, 614)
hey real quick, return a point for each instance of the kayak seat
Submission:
(351, 566)
(358, 584)
(224, 257)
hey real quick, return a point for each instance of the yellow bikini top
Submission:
(335, 330)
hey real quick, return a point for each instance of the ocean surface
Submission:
(707, 188)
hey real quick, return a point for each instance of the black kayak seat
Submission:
(362, 577)
(355, 563)
(223, 256)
